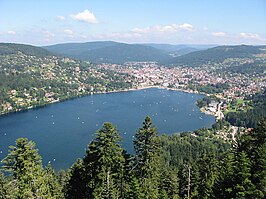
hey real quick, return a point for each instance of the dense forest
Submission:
(110, 52)
(186, 165)
(11, 48)
(249, 117)
(216, 55)
(209, 88)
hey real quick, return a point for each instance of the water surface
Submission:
(63, 130)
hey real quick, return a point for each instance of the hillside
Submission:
(76, 48)
(110, 52)
(30, 77)
(217, 55)
(11, 48)
(172, 47)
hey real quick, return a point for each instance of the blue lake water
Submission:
(63, 130)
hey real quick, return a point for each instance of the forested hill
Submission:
(30, 77)
(249, 117)
(11, 48)
(217, 55)
(110, 52)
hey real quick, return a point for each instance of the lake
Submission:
(63, 130)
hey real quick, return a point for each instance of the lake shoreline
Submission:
(98, 93)
(74, 123)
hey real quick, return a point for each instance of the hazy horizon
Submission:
(189, 22)
(148, 43)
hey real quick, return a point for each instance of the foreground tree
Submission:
(76, 182)
(224, 185)
(25, 166)
(3, 193)
(243, 170)
(244, 188)
(54, 188)
(208, 173)
(253, 144)
(104, 164)
(147, 162)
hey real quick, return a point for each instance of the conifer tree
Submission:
(54, 188)
(75, 185)
(25, 166)
(258, 159)
(147, 163)
(253, 145)
(3, 193)
(243, 187)
(208, 173)
(128, 180)
(258, 170)
(224, 185)
(169, 183)
(188, 180)
(104, 163)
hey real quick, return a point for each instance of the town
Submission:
(191, 79)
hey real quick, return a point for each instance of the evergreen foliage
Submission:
(2, 186)
(104, 163)
(147, 160)
(163, 167)
(249, 118)
(27, 178)
(75, 185)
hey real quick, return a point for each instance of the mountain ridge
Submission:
(12, 48)
(110, 52)
(217, 54)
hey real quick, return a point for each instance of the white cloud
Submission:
(11, 32)
(68, 31)
(85, 16)
(250, 36)
(219, 34)
(61, 18)
(48, 34)
(187, 26)
(141, 30)
(164, 29)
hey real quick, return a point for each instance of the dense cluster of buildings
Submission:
(150, 74)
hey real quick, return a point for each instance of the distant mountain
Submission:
(174, 48)
(167, 47)
(74, 49)
(110, 52)
(183, 51)
(11, 48)
(216, 55)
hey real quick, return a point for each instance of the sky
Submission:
(46, 22)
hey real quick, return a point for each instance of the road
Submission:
(235, 128)
(219, 114)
